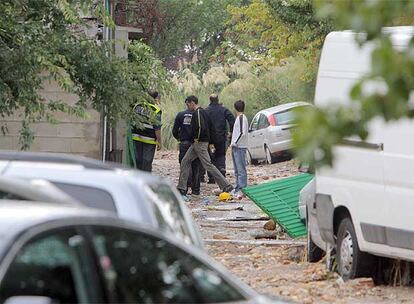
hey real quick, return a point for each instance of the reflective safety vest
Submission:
(149, 114)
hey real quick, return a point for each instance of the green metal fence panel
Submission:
(280, 200)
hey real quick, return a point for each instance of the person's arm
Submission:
(176, 127)
(157, 129)
(241, 130)
(158, 138)
(230, 119)
(245, 125)
(194, 126)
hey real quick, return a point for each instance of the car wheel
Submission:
(269, 158)
(314, 253)
(249, 159)
(352, 262)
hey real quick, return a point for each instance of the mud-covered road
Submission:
(268, 260)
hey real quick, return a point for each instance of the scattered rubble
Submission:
(270, 225)
(274, 265)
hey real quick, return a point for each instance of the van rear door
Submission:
(398, 226)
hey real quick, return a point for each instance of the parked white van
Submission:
(364, 204)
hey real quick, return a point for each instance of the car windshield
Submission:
(168, 211)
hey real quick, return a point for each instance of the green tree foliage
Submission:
(42, 40)
(322, 128)
(269, 31)
(197, 25)
(299, 15)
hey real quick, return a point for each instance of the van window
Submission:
(89, 196)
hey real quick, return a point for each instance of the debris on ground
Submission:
(280, 200)
(270, 225)
(275, 267)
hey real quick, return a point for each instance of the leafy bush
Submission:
(269, 88)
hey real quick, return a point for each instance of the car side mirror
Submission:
(29, 299)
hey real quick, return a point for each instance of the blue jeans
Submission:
(239, 163)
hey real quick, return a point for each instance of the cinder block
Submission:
(71, 130)
(16, 116)
(63, 96)
(44, 129)
(94, 154)
(92, 130)
(51, 144)
(93, 116)
(85, 146)
(13, 127)
(9, 142)
(50, 85)
(78, 130)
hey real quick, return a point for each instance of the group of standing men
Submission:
(203, 135)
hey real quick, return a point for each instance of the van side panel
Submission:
(356, 181)
(399, 177)
(376, 180)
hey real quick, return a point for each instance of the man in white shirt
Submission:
(239, 142)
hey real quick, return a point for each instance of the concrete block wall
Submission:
(72, 135)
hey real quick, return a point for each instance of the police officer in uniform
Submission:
(147, 136)
(182, 132)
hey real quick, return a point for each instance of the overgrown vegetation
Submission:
(393, 68)
(260, 89)
(45, 40)
(262, 58)
(262, 51)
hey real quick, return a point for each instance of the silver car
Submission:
(270, 132)
(131, 194)
(69, 254)
(33, 190)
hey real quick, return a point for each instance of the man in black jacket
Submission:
(182, 132)
(201, 129)
(223, 121)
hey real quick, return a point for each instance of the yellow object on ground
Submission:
(224, 197)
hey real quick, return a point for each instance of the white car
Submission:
(131, 194)
(270, 132)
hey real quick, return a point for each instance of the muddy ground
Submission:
(269, 260)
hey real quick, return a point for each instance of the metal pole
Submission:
(106, 37)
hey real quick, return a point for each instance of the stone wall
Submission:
(72, 135)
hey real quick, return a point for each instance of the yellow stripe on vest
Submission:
(144, 139)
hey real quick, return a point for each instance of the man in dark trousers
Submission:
(182, 132)
(201, 128)
(147, 134)
(223, 120)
